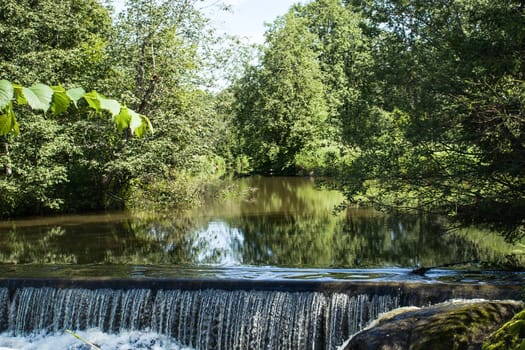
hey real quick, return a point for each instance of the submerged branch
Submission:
(93, 346)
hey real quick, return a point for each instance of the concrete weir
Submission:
(221, 314)
(410, 292)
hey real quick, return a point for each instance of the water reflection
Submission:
(277, 223)
(217, 244)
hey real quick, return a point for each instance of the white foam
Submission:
(133, 340)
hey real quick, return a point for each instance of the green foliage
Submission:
(411, 105)
(38, 96)
(75, 94)
(6, 93)
(61, 100)
(150, 59)
(345, 61)
(159, 53)
(324, 158)
(8, 121)
(54, 42)
(43, 97)
(457, 147)
(301, 110)
(40, 173)
(58, 161)
(282, 106)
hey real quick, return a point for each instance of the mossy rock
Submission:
(509, 337)
(459, 325)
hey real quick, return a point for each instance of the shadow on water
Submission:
(261, 228)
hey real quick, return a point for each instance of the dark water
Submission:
(273, 228)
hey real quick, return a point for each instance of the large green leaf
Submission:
(6, 93)
(93, 100)
(137, 125)
(61, 100)
(8, 121)
(122, 119)
(75, 94)
(128, 118)
(147, 123)
(20, 99)
(38, 96)
(141, 129)
(112, 106)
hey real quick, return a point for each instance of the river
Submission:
(260, 228)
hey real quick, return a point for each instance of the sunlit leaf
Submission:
(5, 124)
(6, 93)
(20, 99)
(128, 118)
(144, 127)
(93, 100)
(61, 100)
(148, 123)
(122, 119)
(112, 106)
(8, 121)
(58, 99)
(75, 94)
(141, 130)
(136, 125)
(38, 96)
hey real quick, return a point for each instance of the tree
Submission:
(59, 163)
(150, 58)
(57, 100)
(449, 77)
(345, 61)
(54, 42)
(281, 103)
(423, 103)
(160, 56)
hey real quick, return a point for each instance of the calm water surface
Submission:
(282, 228)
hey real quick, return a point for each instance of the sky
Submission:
(246, 19)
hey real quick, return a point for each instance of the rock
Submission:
(455, 325)
(510, 336)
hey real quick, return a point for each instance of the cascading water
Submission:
(201, 319)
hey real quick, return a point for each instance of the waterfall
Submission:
(201, 319)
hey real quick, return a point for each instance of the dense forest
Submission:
(413, 105)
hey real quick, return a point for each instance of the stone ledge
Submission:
(460, 325)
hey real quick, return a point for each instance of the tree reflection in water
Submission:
(283, 222)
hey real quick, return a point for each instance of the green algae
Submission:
(455, 325)
(458, 329)
(511, 336)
